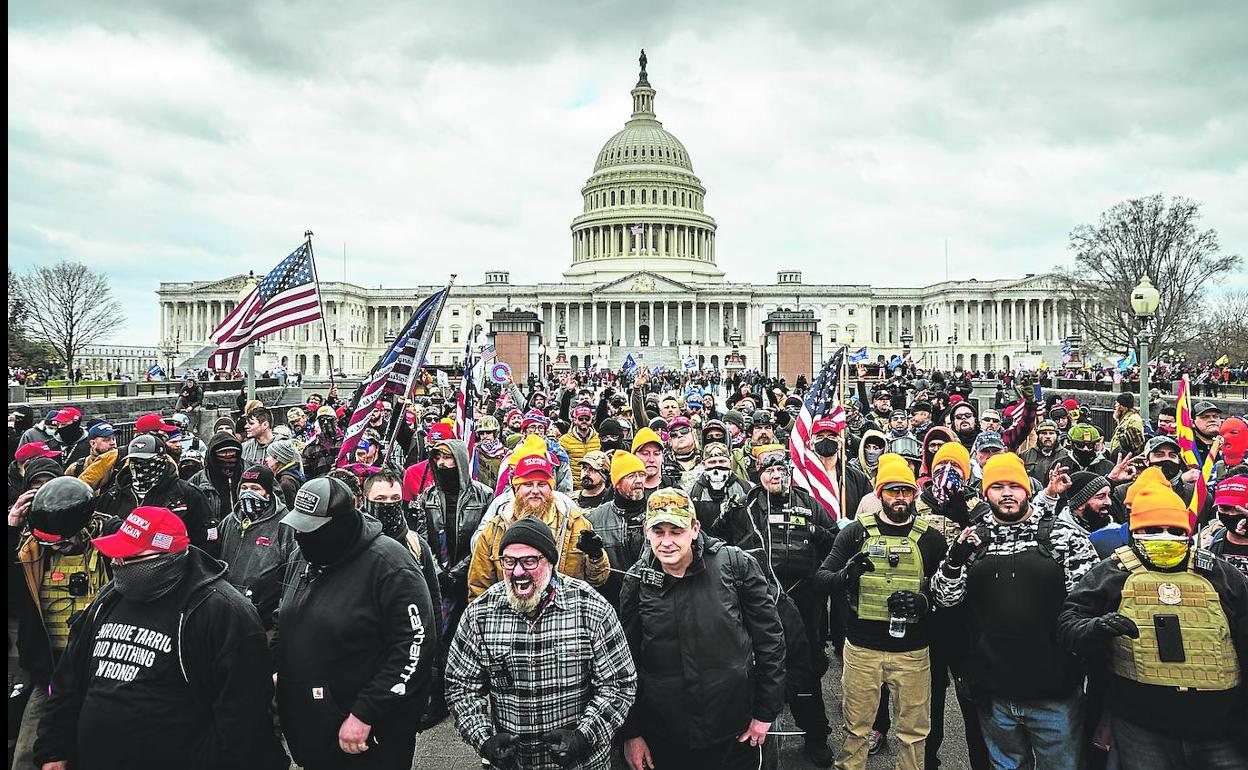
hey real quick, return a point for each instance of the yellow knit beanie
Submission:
(624, 463)
(1006, 466)
(953, 452)
(893, 469)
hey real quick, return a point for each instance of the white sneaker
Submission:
(875, 742)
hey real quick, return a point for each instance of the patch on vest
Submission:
(1169, 593)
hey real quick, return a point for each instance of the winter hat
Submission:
(259, 474)
(1232, 491)
(533, 467)
(223, 422)
(1158, 506)
(1084, 485)
(645, 436)
(1006, 466)
(988, 439)
(1148, 477)
(893, 469)
(733, 417)
(532, 445)
(1125, 400)
(532, 532)
(1234, 434)
(624, 463)
(954, 452)
(282, 452)
(610, 427)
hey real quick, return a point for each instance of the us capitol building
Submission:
(643, 280)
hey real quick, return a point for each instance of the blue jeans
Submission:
(1051, 730)
(1140, 748)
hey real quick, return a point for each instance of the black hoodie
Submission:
(211, 481)
(181, 497)
(355, 637)
(221, 660)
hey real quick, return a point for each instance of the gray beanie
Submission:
(282, 452)
(1084, 485)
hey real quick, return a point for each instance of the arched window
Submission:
(665, 197)
(654, 196)
(613, 197)
(643, 196)
(633, 196)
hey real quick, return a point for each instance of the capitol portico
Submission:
(643, 279)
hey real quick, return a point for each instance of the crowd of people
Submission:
(625, 568)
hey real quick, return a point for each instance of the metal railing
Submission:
(113, 389)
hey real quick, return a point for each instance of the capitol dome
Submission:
(643, 206)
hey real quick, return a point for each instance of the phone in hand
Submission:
(1038, 392)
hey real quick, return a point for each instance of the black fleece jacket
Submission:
(225, 664)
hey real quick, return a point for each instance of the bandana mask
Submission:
(150, 579)
(1163, 550)
(717, 477)
(393, 523)
(252, 504)
(872, 456)
(947, 481)
(146, 472)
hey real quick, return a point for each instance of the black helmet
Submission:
(761, 417)
(61, 509)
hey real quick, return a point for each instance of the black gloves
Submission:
(1115, 624)
(960, 552)
(567, 746)
(500, 750)
(824, 581)
(855, 568)
(589, 543)
(907, 604)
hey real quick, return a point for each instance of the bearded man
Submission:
(573, 647)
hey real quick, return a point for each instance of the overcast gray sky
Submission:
(178, 141)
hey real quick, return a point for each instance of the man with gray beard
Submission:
(539, 674)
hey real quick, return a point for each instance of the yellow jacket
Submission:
(486, 568)
(577, 450)
(95, 471)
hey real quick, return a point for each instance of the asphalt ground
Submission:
(442, 749)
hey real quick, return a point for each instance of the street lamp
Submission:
(1144, 301)
(953, 341)
(906, 339)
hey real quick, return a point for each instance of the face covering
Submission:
(1084, 456)
(228, 467)
(826, 447)
(252, 504)
(717, 478)
(872, 456)
(146, 472)
(610, 444)
(326, 545)
(393, 522)
(1233, 522)
(947, 481)
(921, 426)
(188, 469)
(1170, 468)
(150, 579)
(448, 479)
(1163, 550)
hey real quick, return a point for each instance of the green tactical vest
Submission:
(1211, 662)
(58, 606)
(874, 588)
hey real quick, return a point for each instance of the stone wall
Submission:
(128, 408)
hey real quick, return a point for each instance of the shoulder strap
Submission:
(919, 527)
(869, 524)
(1044, 535)
(1127, 560)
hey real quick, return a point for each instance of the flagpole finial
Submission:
(307, 233)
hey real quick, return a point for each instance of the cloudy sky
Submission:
(176, 141)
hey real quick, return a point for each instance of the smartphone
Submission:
(1038, 392)
(1169, 639)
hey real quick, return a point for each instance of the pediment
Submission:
(233, 283)
(1044, 282)
(643, 282)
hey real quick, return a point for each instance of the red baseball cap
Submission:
(825, 424)
(956, 398)
(1232, 491)
(533, 466)
(1070, 404)
(34, 449)
(147, 528)
(440, 431)
(154, 422)
(68, 415)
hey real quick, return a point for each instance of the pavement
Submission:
(442, 749)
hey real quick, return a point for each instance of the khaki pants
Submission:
(909, 680)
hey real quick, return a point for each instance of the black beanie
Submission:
(1126, 400)
(259, 474)
(1083, 485)
(532, 532)
(610, 427)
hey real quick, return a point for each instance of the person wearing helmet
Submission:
(762, 433)
(190, 463)
(489, 451)
(50, 530)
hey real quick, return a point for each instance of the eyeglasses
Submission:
(899, 492)
(527, 562)
(682, 431)
(1085, 447)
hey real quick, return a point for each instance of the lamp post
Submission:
(906, 340)
(248, 285)
(953, 341)
(1144, 301)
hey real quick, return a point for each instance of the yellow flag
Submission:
(1223, 361)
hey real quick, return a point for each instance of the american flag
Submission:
(385, 377)
(467, 392)
(823, 400)
(285, 297)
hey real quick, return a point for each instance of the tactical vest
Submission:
(58, 605)
(791, 542)
(898, 567)
(1210, 660)
(943, 524)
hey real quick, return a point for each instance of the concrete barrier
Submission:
(128, 408)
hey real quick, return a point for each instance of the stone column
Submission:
(680, 322)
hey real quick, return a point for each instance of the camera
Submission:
(78, 584)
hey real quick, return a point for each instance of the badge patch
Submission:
(318, 693)
(1169, 593)
(877, 551)
(901, 549)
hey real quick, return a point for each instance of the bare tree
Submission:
(68, 306)
(1143, 237)
(1224, 329)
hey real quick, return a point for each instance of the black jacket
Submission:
(182, 497)
(356, 637)
(709, 647)
(226, 663)
(221, 492)
(792, 551)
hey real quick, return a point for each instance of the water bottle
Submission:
(896, 626)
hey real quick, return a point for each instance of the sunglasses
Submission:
(682, 431)
(1085, 447)
(897, 492)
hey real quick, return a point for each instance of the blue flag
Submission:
(894, 362)
(859, 356)
(156, 371)
(630, 366)
(691, 364)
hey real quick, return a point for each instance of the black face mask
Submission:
(393, 522)
(826, 447)
(150, 579)
(1083, 456)
(1232, 523)
(229, 468)
(611, 443)
(447, 478)
(326, 545)
(188, 469)
(1170, 468)
(252, 505)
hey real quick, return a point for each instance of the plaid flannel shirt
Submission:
(568, 667)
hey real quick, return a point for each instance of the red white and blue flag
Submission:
(467, 393)
(287, 296)
(391, 373)
(823, 402)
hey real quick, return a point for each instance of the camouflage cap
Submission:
(1084, 433)
(669, 506)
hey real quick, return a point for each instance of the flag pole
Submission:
(840, 399)
(417, 361)
(320, 303)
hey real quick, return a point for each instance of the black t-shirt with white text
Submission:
(137, 712)
(1236, 554)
